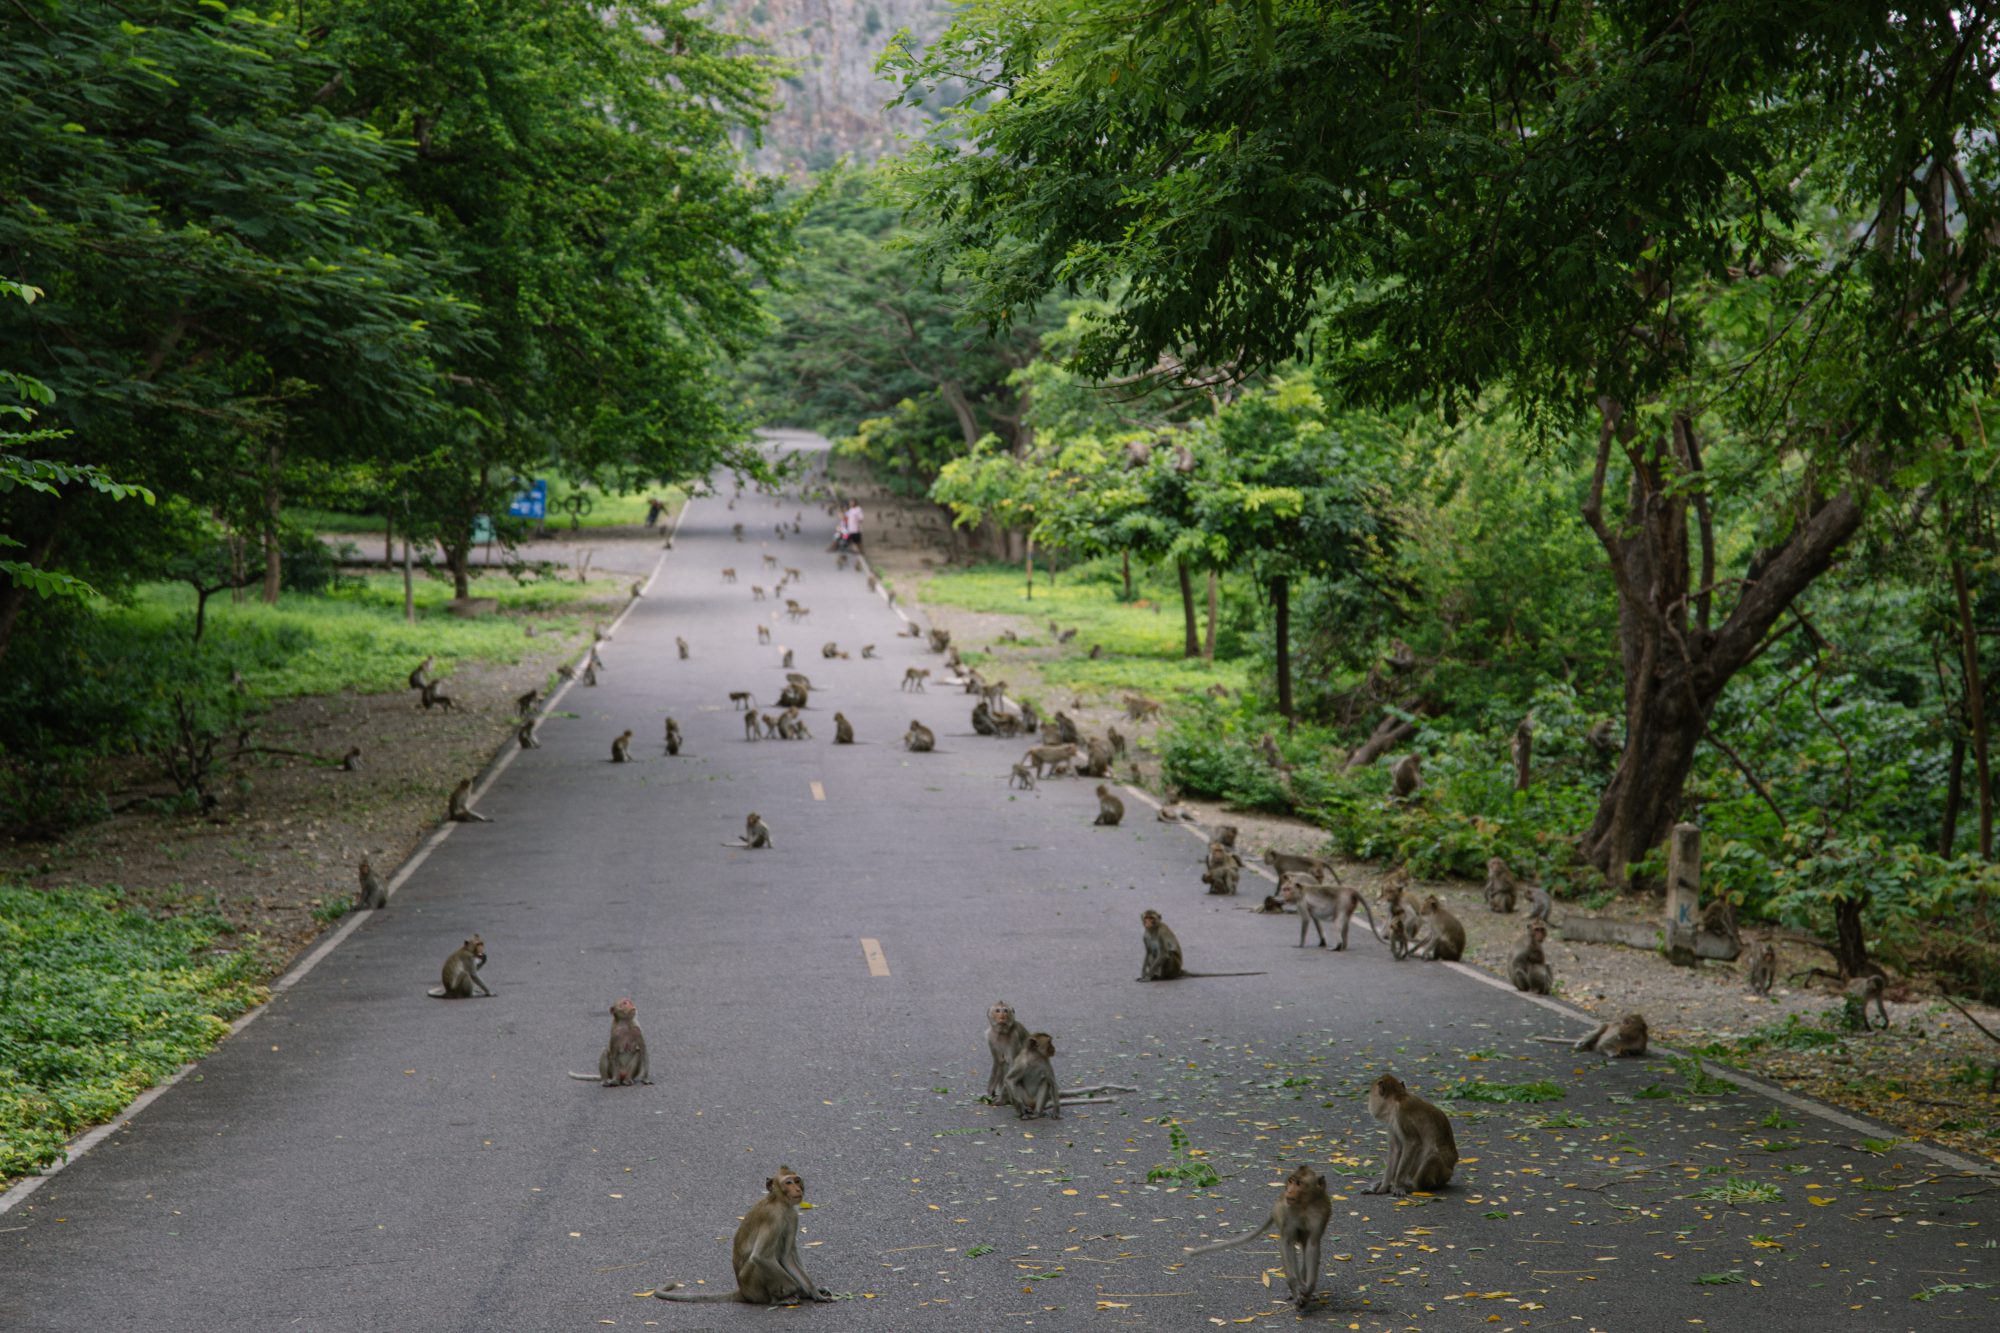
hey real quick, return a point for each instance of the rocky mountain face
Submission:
(832, 105)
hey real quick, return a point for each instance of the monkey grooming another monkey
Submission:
(1530, 970)
(756, 833)
(765, 1254)
(673, 737)
(1110, 810)
(624, 1059)
(1764, 972)
(1500, 888)
(1422, 1151)
(843, 730)
(1299, 1217)
(1442, 937)
(459, 808)
(1318, 903)
(371, 894)
(919, 738)
(621, 748)
(1163, 953)
(461, 972)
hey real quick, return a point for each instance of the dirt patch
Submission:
(1926, 1075)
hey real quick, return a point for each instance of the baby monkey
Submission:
(1764, 972)
(624, 1059)
(756, 833)
(461, 972)
(1110, 810)
(1299, 1217)
(919, 738)
(843, 730)
(371, 894)
(765, 1254)
(1530, 969)
(673, 737)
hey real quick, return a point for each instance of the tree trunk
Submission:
(1954, 795)
(1187, 609)
(1975, 707)
(274, 508)
(953, 394)
(1281, 606)
(1675, 670)
(388, 541)
(1030, 558)
(1127, 557)
(1524, 754)
(1850, 946)
(458, 557)
(1208, 648)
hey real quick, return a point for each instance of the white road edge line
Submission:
(14, 1197)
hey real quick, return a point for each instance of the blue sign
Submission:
(531, 503)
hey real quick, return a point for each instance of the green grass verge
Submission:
(98, 1003)
(607, 510)
(355, 637)
(1143, 640)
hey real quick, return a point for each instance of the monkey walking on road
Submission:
(1299, 1217)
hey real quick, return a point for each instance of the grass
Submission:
(1143, 640)
(607, 510)
(99, 1002)
(355, 637)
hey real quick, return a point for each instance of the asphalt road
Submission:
(362, 1158)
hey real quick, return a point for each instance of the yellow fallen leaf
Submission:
(802, 1205)
(1069, 1191)
(639, 1294)
(1816, 1201)
(1114, 1305)
(1767, 1244)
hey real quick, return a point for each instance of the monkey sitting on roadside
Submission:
(1422, 1151)
(1030, 1084)
(461, 972)
(1110, 810)
(459, 808)
(621, 748)
(765, 1254)
(526, 703)
(1539, 902)
(1530, 969)
(1625, 1037)
(1441, 938)
(1500, 888)
(1318, 902)
(756, 833)
(371, 894)
(624, 1059)
(843, 730)
(525, 734)
(1005, 1036)
(1299, 1217)
(919, 738)
(673, 737)
(1163, 953)
(1405, 777)
(1222, 878)
(1764, 972)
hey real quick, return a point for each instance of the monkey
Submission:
(1005, 1036)
(792, 696)
(756, 592)
(1138, 707)
(1110, 810)
(1539, 902)
(566, 671)
(940, 640)
(673, 737)
(1066, 729)
(1399, 938)
(797, 612)
(371, 896)
(1405, 777)
(638, 589)
(1066, 635)
(624, 1060)
(799, 730)
(756, 833)
(1422, 1151)
(681, 645)
(1297, 863)
(1138, 453)
(1500, 887)
(461, 972)
(909, 630)
(596, 658)
(435, 697)
(871, 588)
(843, 730)
(1049, 756)
(803, 681)
(1226, 835)
(765, 1254)
(1764, 972)
(1221, 879)
(763, 634)
(1268, 748)
(525, 736)
(621, 748)
(1163, 953)
(729, 575)
(1030, 721)
(1270, 906)
(351, 761)
(913, 679)
(1299, 1217)
(1599, 737)
(1530, 970)
(1318, 903)
(1097, 758)
(868, 652)
(750, 725)
(526, 703)
(459, 808)
(770, 561)
(829, 650)
(1217, 691)
(1625, 1037)
(1183, 461)
(1117, 741)
(1023, 777)
(771, 721)
(982, 719)
(420, 675)
(1030, 1085)
(1442, 937)
(919, 738)
(590, 675)
(1096, 651)
(1173, 812)
(786, 661)
(1867, 991)
(1007, 725)
(737, 528)
(742, 699)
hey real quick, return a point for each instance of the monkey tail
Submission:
(1186, 973)
(1234, 1241)
(674, 1291)
(436, 993)
(1369, 912)
(585, 1078)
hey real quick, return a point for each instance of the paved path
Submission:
(362, 1158)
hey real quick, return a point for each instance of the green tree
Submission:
(1746, 243)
